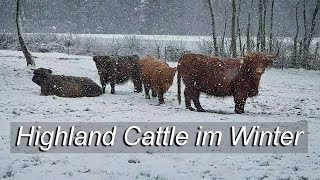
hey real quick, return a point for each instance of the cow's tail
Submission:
(179, 84)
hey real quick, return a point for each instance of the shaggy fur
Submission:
(65, 86)
(157, 76)
(118, 70)
(221, 77)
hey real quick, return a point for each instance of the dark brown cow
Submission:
(157, 76)
(118, 70)
(221, 77)
(65, 86)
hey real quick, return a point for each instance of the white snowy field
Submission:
(285, 96)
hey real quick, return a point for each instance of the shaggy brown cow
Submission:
(157, 76)
(221, 77)
(118, 70)
(65, 86)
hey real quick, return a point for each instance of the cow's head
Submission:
(258, 62)
(41, 75)
(103, 63)
(169, 77)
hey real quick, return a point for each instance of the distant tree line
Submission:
(163, 16)
(302, 54)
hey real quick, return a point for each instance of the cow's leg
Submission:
(137, 88)
(187, 99)
(137, 84)
(146, 90)
(103, 83)
(239, 101)
(239, 107)
(136, 78)
(195, 99)
(161, 98)
(153, 93)
(113, 84)
(113, 81)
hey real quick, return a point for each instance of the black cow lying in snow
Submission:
(65, 86)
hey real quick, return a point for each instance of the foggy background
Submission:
(163, 17)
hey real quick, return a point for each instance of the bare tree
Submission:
(295, 40)
(249, 28)
(259, 34)
(305, 25)
(271, 27)
(316, 52)
(213, 25)
(233, 30)
(224, 30)
(24, 48)
(309, 36)
(238, 24)
(263, 27)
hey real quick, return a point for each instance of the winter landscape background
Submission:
(148, 17)
(289, 95)
(64, 35)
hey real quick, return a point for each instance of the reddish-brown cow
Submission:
(157, 76)
(221, 77)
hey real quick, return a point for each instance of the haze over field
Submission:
(166, 17)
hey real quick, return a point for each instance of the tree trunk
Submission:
(233, 30)
(316, 52)
(295, 40)
(260, 8)
(24, 48)
(306, 51)
(213, 25)
(300, 51)
(263, 30)
(249, 28)
(238, 25)
(303, 48)
(271, 27)
(224, 30)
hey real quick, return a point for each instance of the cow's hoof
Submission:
(147, 96)
(161, 103)
(112, 92)
(239, 112)
(190, 108)
(201, 110)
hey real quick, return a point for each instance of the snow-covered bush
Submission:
(165, 47)
(8, 41)
(174, 50)
(206, 47)
(132, 45)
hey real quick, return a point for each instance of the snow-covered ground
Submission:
(285, 95)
